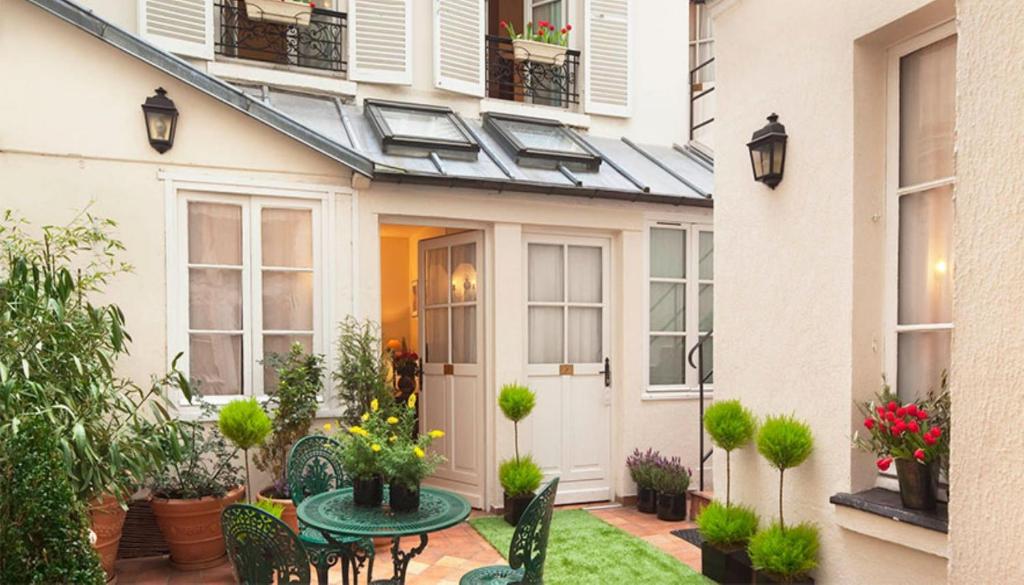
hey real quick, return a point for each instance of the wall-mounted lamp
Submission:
(161, 120)
(768, 152)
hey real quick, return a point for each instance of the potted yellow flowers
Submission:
(360, 456)
(407, 459)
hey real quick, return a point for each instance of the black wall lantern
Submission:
(161, 120)
(768, 152)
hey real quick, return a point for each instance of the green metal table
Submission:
(335, 515)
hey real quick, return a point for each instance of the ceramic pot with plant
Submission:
(520, 476)
(541, 43)
(362, 457)
(784, 553)
(407, 457)
(726, 529)
(641, 467)
(672, 480)
(908, 435)
(244, 423)
(292, 408)
(66, 351)
(188, 495)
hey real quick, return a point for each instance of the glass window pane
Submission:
(549, 10)
(546, 335)
(667, 360)
(707, 307)
(706, 265)
(585, 335)
(464, 335)
(215, 299)
(541, 137)
(923, 356)
(927, 112)
(668, 253)
(287, 301)
(925, 265)
(436, 332)
(464, 273)
(287, 237)
(214, 233)
(437, 126)
(436, 292)
(546, 273)
(584, 274)
(668, 307)
(281, 345)
(215, 362)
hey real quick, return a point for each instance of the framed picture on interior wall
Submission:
(415, 298)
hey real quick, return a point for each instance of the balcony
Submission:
(527, 82)
(319, 45)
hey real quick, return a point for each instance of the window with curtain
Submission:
(922, 201)
(565, 304)
(252, 273)
(681, 304)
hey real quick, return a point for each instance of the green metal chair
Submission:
(314, 468)
(528, 549)
(262, 549)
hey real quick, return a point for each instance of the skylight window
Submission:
(537, 142)
(418, 130)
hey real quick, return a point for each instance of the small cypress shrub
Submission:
(788, 552)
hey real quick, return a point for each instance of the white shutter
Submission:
(459, 46)
(380, 41)
(606, 57)
(184, 27)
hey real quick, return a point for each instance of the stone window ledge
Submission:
(878, 513)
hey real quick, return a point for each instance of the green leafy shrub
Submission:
(727, 525)
(670, 477)
(270, 507)
(199, 462)
(520, 476)
(44, 528)
(361, 375)
(785, 442)
(730, 426)
(787, 552)
(516, 403)
(642, 467)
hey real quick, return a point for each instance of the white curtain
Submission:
(585, 335)
(584, 274)
(927, 113)
(287, 237)
(546, 273)
(925, 275)
(464, 335)
(436, 331)
(546, 331)
(436, 291)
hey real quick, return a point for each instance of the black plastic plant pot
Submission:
(918, 484)
(368, 492)
(726, 565)
(763, 577)
(646, 500)
(403, 499)
(515, 506)
(672, 507)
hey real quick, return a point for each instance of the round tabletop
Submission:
(335, 512)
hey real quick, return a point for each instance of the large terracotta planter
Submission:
(107, 518)
(192, 529)
(289, 515)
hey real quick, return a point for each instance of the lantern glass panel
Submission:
(778, 151)
(755, 159)
(159, 125)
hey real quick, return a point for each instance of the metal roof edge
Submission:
(86, 20)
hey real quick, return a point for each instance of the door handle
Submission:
(607, 371)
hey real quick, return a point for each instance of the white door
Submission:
(567, 348)
(452, 336)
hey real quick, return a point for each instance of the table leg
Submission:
(401, 559)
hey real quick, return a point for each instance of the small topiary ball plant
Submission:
(519, 477)
(785, 442)
(726, 525)
(787, 552)
(516, 403)
(244, 423)
(730, 426)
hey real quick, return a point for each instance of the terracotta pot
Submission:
(107, 518)
(192, 529)
(289, 515)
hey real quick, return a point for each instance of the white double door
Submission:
(567, 349)
(451, 319)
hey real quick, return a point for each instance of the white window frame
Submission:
(699, 38)
(893, 193)
(252, 196)
(692, 334)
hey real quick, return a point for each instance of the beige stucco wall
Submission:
(799, 288)
(988, 449)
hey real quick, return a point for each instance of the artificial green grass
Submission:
(585, 550)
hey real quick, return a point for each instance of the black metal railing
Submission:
(317, 45)
(705, 374)
(698, 93)
(524, 80)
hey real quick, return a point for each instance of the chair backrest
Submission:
(530, 540)
(262, 549)
(314, 467)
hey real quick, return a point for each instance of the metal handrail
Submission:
(694, 98)
(702, 378)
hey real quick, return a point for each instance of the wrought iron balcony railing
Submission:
(530, 82)
(318, 45)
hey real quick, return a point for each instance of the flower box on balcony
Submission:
(539, 52)
(279, 11)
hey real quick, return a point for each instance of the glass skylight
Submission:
(541, 143)
(535, 136)
(418, 130)
(429, 125)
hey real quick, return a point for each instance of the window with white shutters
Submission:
(607, 78)
(184, 27)
(380, 41)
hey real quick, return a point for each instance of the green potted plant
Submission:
(726, 528)
(292, 410)
(784, 554)
(361, 455)
(245, 425)
(361, 375)
(641, 466)
(199, 480)
(407, 458)
(543, 43)
(671, 480)
(520, 477)
(296, 12)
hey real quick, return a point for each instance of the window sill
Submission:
(658, 395)
(878, 513)
(281, 76)
(567, 117)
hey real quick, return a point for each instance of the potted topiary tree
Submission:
(671, 480)
(727, 528)
(780, 554)
(641, 469)
(244, 423)
(520, 477)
